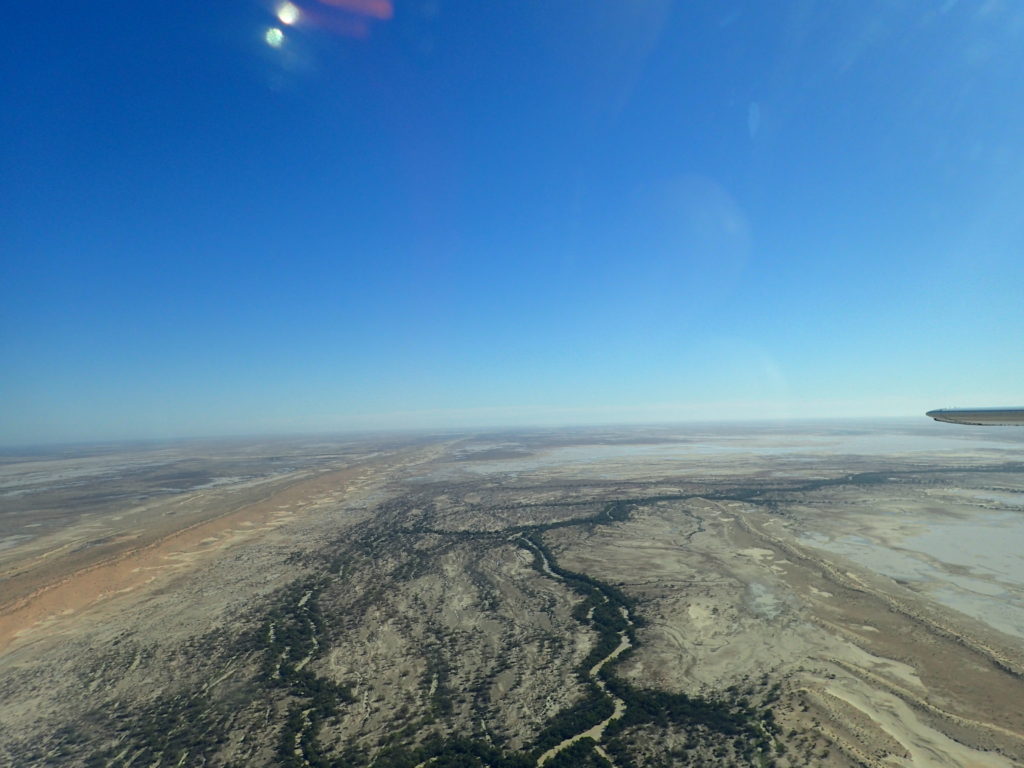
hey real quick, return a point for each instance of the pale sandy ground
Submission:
(743, 598)
(56, 603)
(52, 593)
(970, 556)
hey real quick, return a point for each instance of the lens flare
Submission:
(375, 9)
(274, 37)
(287, 13)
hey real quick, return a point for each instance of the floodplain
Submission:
(834, 594)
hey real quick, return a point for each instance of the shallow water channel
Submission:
(595, 732)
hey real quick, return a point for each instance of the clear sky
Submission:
(445, 213)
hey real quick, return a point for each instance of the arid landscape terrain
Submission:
(847, 594)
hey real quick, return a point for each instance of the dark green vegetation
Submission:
(291, 640)
(455, 752)
(608, 611)
(594, 707)
(168, 731)
(291, 636)
(748, 731)
(729, 725)
(274, 706)
(192, 727)
(582, 754)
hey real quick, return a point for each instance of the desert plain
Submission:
(802, 594)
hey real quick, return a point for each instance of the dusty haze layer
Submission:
(833, 594)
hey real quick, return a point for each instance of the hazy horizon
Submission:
(483, 428)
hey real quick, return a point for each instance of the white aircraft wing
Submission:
(983, 417)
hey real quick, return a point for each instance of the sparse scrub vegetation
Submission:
(280, 654)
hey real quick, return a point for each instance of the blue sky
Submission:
(446, 213)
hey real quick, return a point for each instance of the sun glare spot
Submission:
(274, 37)
(287, 13)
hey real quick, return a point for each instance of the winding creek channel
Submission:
(595, 732)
